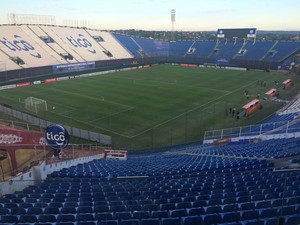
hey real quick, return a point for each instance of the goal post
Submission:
(36, 104)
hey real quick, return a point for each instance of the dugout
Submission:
(251, 107)
(287, 83)
(272, 93)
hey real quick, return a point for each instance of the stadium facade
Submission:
(35, 50)
(254, 181)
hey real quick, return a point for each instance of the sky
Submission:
(191, 15)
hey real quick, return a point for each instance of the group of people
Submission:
(246, 92)
(233, 112)
(261, 83)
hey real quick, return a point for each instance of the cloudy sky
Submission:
(191, 15)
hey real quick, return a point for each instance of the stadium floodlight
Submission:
(35, 104)
(173, 16)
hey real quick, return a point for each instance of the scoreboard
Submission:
(242, 33)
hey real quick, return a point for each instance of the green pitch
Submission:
(156, 106)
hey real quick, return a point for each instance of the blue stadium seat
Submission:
(85, 203)
(230, 208)
(261, 222)
(70, 204)
(18, 211)
(103, 216)
(192, 220)
(28, 219)
(85, 217)
(195, 211)
(4, 211)
(35, 211)
(47, 218)
(9, 219)
(129, 222)
(55, 204)
(230, 217)
(117, 208)
(210, 219)
(200, 203)
(84, 209)
(66, 218)
(4, 200)
(230, 200)
(151, 207)
(249, 214)
(122, 215)
(213, 209)
(10, 205)
(171, 221)
(26, 205)
(41, 204)
(101, 208)
(178, 213)
(247, 206)
(288, 210)
(268, 212)
(150, 221)
(263, 204)
(86, 223)
(108, 222)
(67, 210)
(141, 215)
(292, 220)
(159, 214)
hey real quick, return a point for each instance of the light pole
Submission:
(173, 16)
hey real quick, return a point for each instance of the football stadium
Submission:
(101, 127)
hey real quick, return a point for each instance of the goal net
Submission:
(36, 104)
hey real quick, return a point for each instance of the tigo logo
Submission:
(56, 136)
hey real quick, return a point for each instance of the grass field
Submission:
(156, 106)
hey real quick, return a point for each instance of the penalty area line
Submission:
(191, 110)
(113, 114)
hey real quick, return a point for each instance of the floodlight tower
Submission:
(173, 15)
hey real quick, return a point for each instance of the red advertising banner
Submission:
(11, 136)
(50, 80)
(188, 65)
(23, 84)
(117, 154)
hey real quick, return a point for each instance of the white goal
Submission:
(36, 104)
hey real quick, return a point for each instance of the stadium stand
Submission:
(180, 48)
(200, 184)
(37, 30)
(229, 50)
(130, 45)
(153, 48)
(255, 51)
(108, 41)
(294, 107)
(77, 42)
(30, 46)
(23, 50)
(210, 189)
(281, 51)
(6, 63)
(203, 49)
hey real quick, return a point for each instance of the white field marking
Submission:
(191, 110)
(102, 128)
(172, 83)
(66, 112)
(96, 98)
(207, 109)
(113, 114)
(71, 109)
